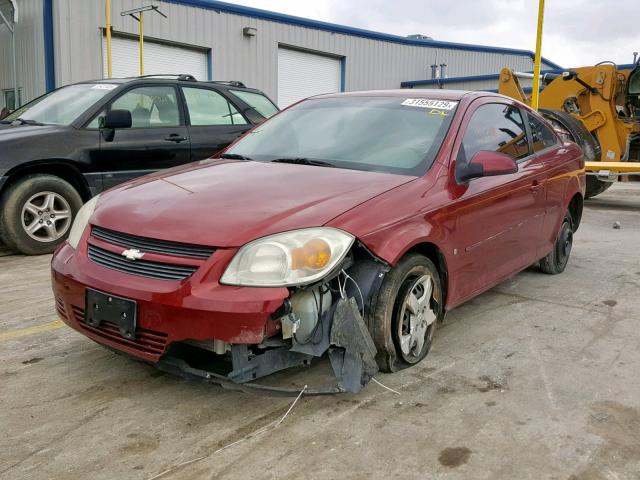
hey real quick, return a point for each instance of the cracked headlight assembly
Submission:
(81, 221)
(297, 257)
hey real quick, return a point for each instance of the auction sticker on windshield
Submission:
(104, 86)
(429, 103)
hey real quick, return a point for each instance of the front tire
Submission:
(556, 261)
(36, 213)
(408, 309)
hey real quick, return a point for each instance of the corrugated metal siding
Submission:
(370, 64)
(475, 85)
(29, 52)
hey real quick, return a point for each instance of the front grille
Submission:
(143, 268)
(60, 308)
(146, 341)
(152, 245)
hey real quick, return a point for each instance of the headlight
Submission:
(81, 221)
(298, 257)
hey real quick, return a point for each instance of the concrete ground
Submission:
(535, 379)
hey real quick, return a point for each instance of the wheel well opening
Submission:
(433, 253)
(575, 208)
(62, 170)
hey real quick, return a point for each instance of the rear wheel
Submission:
(558, 258)
(572, 129)
(407, 311)
(36, 213)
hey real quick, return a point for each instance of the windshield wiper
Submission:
(303, 161)
(23, 121)
(234, 156)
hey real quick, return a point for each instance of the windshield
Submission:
(383, 134)
(62, 106)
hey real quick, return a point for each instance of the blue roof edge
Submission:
(491, 76)
(333, 27)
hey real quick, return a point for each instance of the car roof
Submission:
(436, 94)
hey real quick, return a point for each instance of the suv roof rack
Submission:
(231, 83)
(177, 76)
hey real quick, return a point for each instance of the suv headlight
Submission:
(81, 221)
(298, 257)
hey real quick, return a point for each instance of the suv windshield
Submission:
(259, 102)
(62, 106)
(384, 134)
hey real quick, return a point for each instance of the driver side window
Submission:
(493, 127)
(150, 107)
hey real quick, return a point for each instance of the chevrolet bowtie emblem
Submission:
(132, 254)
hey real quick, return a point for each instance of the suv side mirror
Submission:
(116, 119)
(112, 120)
(488, 164)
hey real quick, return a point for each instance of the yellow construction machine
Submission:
(598, 108)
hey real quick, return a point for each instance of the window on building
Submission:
(541, 134)
(208, 107)
(10, 99)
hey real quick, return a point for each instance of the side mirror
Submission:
(112, 120)
(488, 164)
(116, 119)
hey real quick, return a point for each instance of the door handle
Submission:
(174, 137)
(535, 186)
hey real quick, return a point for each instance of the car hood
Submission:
(18, 132)
(229, 203)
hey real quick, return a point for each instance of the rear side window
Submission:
(257, 101)
(494, 127)
(208, 108)
(541, 134)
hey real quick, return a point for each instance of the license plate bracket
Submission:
(104, 307)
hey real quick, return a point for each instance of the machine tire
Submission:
(576, 132)
(556, 261)
(16, 210)
(397, 290)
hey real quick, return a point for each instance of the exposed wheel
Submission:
(406, 314)
(558, 258)
(572, 129)
(36, 213)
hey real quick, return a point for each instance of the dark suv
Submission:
(59, 150)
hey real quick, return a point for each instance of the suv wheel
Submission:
(36, 213)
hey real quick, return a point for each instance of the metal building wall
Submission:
(29, 52)
(370, 64)
(475, 85)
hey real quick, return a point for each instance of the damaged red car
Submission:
(346, 226)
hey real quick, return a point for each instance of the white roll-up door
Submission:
(303, 74)
(158, 58)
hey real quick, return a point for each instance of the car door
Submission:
(157, 139)
(214, 122)
(550, 154)
(497, 220)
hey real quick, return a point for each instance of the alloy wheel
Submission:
(416, 318)
(46, 216)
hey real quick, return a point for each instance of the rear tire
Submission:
(408, 309)
(576, 132)
(556, 261)
(36, 213)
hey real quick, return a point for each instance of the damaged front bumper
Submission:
(255, 332)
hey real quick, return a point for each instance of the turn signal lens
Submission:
(314, 255)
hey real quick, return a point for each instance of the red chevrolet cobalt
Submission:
(344, 226)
